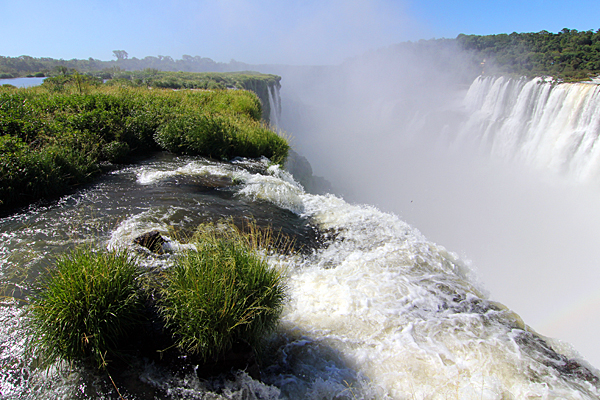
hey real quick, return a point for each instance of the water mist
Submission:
(396, 129)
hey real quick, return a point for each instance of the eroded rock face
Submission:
(152, 240)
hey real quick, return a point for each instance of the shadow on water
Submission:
(173, 195)
(166, 193)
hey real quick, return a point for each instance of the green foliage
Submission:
(257, 83)
(88, 306)
(84, 307)
(80, 83)
(221, 293)
(220, 137)
(568, 54)
(28, 174)
(56, 138)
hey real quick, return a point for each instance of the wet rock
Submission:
(152, 240)
(239, 357)
(543, 352)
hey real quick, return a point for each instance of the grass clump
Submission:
(222, 293)
(92, 308)
(84, 307)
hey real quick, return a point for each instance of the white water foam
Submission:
(278, 187)
(379, 313)
(196, 168)
(405, 314)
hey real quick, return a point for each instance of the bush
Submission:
(221, 137)
(84, 307)
(115, 151)
(220, 294)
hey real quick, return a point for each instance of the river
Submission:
(377, 311)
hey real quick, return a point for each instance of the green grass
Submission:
(53, 138)
(221, 293)
(94, 307)
(84, 307)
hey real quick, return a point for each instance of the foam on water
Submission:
(405, 313)
(380, 312)
(277, 187)
(196, 168)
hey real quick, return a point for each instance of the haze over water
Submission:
(382, 133)
(404, 140)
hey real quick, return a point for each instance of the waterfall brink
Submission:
(275, 105)
(546, 125)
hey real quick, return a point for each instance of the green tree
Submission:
(120, 55)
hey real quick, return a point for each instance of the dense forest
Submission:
(568, 55)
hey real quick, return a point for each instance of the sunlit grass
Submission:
(84, 306)
(221, 293)
(89, 306)
(52, 140)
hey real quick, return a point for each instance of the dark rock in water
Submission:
(301, 169)
(151, 240)
(542, 352)
(239, 357)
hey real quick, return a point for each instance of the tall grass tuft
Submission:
(222, 293)
(84, 306)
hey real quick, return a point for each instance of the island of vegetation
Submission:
(213, 307)
(59, 135)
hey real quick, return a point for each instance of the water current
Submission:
(374, 309)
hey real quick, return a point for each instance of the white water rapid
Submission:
(379, 312)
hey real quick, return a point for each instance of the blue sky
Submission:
(265, 31)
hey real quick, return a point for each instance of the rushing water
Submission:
(375, 310)
(548, 126)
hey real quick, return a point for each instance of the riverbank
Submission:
(54, 138)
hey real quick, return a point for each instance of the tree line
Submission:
(569, 55)
(14, 67)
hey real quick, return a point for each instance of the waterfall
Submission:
(547, 125)
(275, 105)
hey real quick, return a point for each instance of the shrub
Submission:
(222, 293)
(84, 307)
(221, 137)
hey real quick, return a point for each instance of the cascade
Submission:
(275, 105)
(378, 311)
(543, 124)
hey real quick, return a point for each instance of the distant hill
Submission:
(568, 55)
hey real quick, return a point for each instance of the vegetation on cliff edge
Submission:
(569, 55)
(56, 136)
